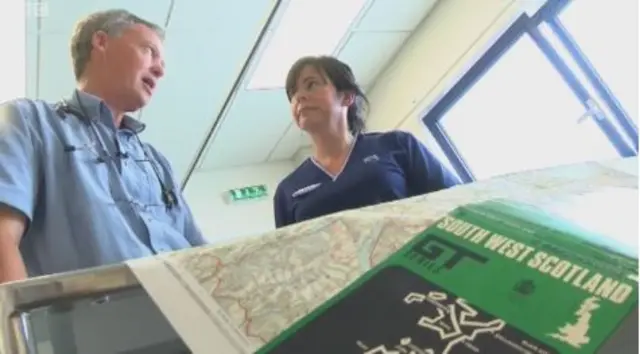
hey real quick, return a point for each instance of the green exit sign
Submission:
(248, 193)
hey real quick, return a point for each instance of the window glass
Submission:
(607, 33)
(522, 115)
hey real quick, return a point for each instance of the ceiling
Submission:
(206, 47)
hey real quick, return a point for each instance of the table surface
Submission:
(267, 283)
(259, 286)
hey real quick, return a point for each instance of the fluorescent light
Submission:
(307, 27)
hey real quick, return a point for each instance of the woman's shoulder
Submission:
(390, 139)
(299, 175)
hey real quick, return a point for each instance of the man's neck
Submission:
(95, 90)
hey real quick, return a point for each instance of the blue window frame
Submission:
(532, 89)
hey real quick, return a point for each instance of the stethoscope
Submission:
(63, 108)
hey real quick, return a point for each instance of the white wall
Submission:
(448, 41)
(301, 155)
(222, 222)
(12, 29)
(445, 45)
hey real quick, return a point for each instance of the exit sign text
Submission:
(248, 193)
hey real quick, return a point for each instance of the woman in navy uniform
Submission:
(349, 168)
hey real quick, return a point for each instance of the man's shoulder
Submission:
(31, 104)
(33, 111)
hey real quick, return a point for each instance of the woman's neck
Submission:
(331, 145)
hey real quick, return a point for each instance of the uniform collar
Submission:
(96, 108)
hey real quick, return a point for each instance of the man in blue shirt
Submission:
(78, 188)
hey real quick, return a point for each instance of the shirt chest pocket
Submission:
(87, 167)
(139, 179)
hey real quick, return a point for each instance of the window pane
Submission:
(580, 75)
(522, 115)
(607, 33)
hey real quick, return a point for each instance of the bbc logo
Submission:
(36, 9)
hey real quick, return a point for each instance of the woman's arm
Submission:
(281, 210)
(426, 173)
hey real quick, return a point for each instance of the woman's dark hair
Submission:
(342, 78)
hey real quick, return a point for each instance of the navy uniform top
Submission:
(381, 167)
(88, 188)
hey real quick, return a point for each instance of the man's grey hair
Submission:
(112, 22)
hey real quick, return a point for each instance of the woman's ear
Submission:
(348, 98)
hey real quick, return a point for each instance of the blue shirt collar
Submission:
(95, 107)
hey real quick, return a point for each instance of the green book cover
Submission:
(494, 277)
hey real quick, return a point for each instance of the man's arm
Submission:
(12, 226)
(19, 171)
(191, 230)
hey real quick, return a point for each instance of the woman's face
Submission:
(315, 102)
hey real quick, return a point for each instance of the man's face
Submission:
(132, 65)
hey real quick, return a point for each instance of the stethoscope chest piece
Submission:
(169, 198)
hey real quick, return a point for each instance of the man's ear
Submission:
(99, 41)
